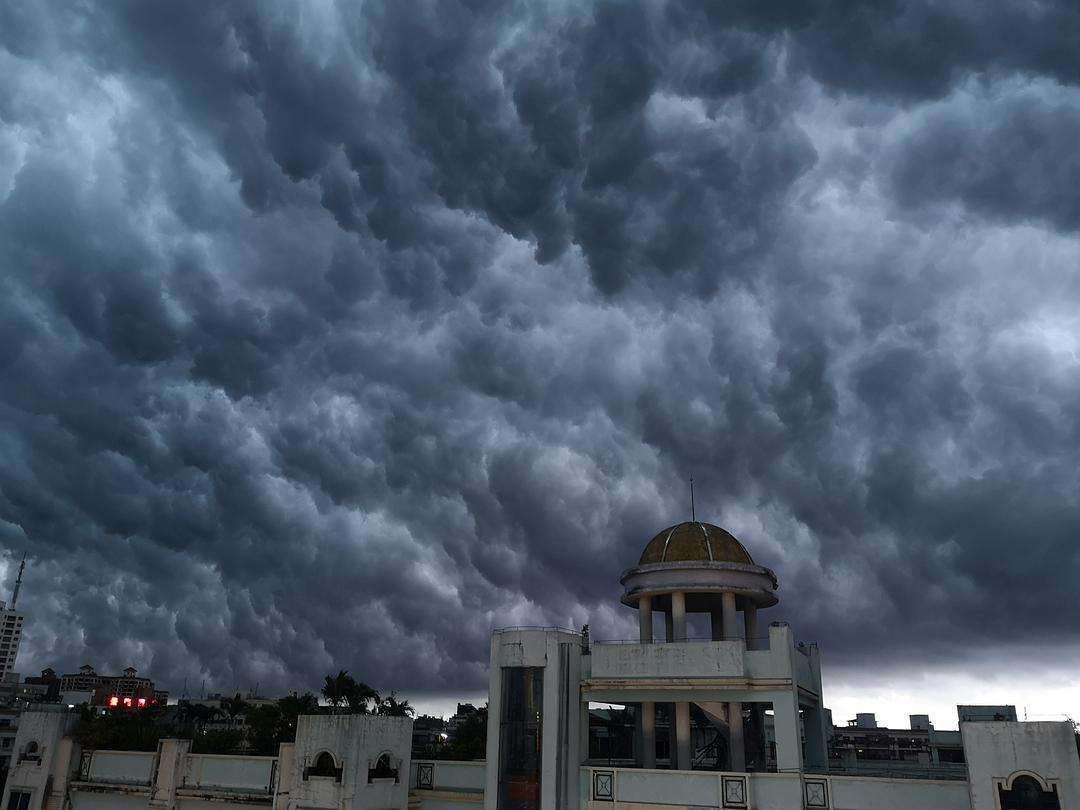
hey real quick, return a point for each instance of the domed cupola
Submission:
(703, 562)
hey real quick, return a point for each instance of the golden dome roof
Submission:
(695, 542)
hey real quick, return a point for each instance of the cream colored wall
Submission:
(997, 750)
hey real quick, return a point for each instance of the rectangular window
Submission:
(520, 737)
(19, 800)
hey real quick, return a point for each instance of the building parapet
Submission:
(608, 788)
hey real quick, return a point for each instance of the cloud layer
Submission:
(332, 335)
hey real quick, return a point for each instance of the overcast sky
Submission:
(334, 335)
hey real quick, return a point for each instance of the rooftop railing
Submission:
(521, 627)
(758, 639)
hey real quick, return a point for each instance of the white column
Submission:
(583, 731)
(648, 734)
(750, 626)
(788, 737)
(495, 710)
(682, 735)
(735, 726)
(648, 708)
(645, 619)
(682, 709)
(731, 623)
(678, 615)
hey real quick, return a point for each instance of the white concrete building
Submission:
(741, 681)
(542, 681)
(11, 628)
(338, 762)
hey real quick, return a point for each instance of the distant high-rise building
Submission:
(11, 627)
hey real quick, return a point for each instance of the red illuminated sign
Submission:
(114, 701)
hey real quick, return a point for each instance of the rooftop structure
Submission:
(11, 629)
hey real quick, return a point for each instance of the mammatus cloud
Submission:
(333, 335)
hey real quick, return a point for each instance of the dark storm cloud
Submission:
(331, 336)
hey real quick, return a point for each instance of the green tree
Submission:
(291, 707)
(393, 707)
(234, 706)
(218, 741)
(361, 698)
(265, 729)
(337, 688)
(122, 729)
(470, 740)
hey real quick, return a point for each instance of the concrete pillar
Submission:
(284, 775)
(646, 722)
(731, 623)
(788, 737)
(648, 734)
(678, 615)
(645, 619)
(717, 621)
(494, 724)
(682, 736)
(817, 746)
(583, 731)
(56, 797)
(172, 762)
(750, 626)
(738, 747)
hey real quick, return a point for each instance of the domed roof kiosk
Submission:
(700, 568)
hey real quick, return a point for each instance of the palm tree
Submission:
(393, 707)
(337, 688)
(291, 707)
(361, 698)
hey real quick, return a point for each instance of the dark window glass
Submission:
(520, 735)
(18, 800)
(1027, 794)
(324, 765)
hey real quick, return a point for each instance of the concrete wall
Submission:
(997, 751)
(855, 792)
(686, 659)
(454, 786)
(451, 775)
(774, 662)
(57, 758)
(685, 790)
(83, 800)
(356, 742)
(664, 787)
(122, 767)
(234, 772)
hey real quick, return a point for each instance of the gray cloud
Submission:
(333, 336)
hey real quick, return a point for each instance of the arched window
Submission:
(384, 769)
(324, 765)
(1028, 794)
(32, 753)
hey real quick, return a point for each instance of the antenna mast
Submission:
(693, 513)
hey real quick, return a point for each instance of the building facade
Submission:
(115, 691)
(702, 709)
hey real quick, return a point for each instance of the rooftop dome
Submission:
(694, 542)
